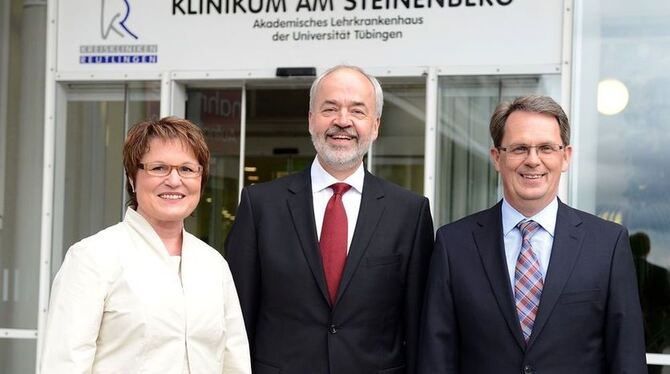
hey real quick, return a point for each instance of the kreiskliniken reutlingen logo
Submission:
(113, 17)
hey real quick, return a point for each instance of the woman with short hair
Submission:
(144, 295)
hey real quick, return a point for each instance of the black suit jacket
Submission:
(589, 319)
(274, 257)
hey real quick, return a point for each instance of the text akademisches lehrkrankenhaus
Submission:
(342, 28)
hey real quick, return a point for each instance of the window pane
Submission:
(218, 112)
(20, 226)
(398, 153)
(466, 181)
(22, 75)
(623, 132)
(89, 186)
(17, 355)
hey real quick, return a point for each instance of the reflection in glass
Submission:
(654, 286)
(623, 173)
(398, 153)
(657, 369)
(466, 180)
(219, 113)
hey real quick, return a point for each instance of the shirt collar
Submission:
(144, 229)
(322, 180)
(546, 217)
(137, 221)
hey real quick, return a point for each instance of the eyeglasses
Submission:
(523, 150)
(159, 169)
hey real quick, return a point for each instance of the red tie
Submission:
(333, 240)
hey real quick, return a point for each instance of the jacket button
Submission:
(332, 329)
(527, 369)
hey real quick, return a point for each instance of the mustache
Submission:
(334, 131)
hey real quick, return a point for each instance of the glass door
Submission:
(89, 179)
(261, 127)
(219, 113)
(269, 124)
(277, 135)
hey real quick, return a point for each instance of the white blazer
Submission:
(119, 306)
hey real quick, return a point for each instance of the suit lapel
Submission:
(302, 212)
(372, 207)
(568, 238)
(489, 241)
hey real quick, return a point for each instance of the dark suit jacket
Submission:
(589, 319)
(274, 256)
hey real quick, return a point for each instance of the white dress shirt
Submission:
(542, 241)
(121, 304)
(321, 193)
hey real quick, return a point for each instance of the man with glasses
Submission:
(531, 285)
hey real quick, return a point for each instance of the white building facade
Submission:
(76, 74)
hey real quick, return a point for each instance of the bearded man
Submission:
(330, 264)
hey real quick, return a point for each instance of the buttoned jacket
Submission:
(274, 255)
(589, 319)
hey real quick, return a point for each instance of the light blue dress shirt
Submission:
(542, 241)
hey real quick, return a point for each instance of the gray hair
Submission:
(379, 95)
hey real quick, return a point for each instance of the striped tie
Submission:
(527, 279)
